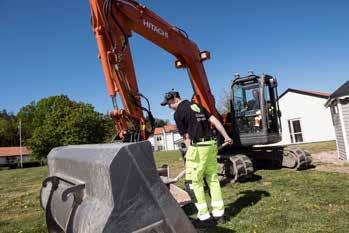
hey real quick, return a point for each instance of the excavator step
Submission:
(109, 188)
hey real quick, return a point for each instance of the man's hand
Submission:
(228, 140)
(186, 140)
(221, 129)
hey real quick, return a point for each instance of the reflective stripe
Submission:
(218, 213)
(201, 206)
(203, 213)
(217, 203)
(204, 216)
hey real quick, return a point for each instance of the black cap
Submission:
(169, 96)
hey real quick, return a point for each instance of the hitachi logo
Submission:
(155, 28)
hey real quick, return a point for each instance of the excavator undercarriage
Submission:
(239, 165)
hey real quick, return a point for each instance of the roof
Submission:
(340, 92)
(319, 94)
(166, 128)
(13, 151)
(158, 131)
(170, 128)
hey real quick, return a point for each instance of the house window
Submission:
(160, 148)
(295, 129)
(158, 139)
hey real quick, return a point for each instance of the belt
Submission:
(205, 139)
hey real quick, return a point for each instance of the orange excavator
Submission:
(113, 22)
(116, 187)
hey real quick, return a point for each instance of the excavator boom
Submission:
(113, 22)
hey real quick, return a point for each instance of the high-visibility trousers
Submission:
(201, 162)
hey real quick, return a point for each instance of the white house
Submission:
(339, 105)
(10, 156)
(165, 138)
(304, 117)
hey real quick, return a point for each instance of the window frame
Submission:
(334, 109)
(291, 130)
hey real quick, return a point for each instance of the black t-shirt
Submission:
(191, 118)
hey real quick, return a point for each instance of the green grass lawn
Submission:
(319, 146)
(274, 201)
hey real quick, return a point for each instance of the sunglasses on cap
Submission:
(169, 96)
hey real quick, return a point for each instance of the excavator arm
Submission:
(113, 22)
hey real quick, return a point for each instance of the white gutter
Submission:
(330, 101)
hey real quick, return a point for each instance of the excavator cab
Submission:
(255, 110)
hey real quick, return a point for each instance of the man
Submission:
(193, 123)
(254, 103)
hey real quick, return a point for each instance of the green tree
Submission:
(109, 128)
(157, 122)
(26, 115)
(224, 101)
(58, 121)
(160, 122)
(8, 129)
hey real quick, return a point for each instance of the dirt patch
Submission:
(333, 168)
(329, 162)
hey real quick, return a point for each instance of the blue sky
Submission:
(47, 48)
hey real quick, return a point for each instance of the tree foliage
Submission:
(157, 122)
(27, 115)
(58, 121)
(160, 122)
(224, 101)
(8, 129)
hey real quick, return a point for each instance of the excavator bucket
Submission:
(109, 188)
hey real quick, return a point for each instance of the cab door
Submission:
(272, 111)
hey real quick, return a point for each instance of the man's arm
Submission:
(182, 129)
(218, 125)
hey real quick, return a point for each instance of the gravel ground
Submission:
(329, 162)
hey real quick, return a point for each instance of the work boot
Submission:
(220, 220)
(204, 223)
